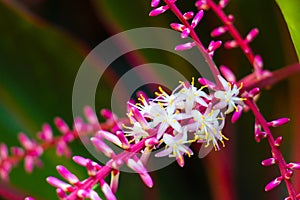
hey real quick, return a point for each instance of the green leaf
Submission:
(290, 10)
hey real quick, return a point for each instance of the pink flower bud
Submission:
(154, 3)
(94, 195)
(188, 15)
(25, 141)
(202, 5)
(273, 184)
(236, 115)
(81, 193)
(141, 170)
(227, 73)
(114, 180)
(223, 3)
(151, 142)
(230, 18)
(158, 11)
(177, 27)
(252, 34)
(214, 45)
(123, 139)
(61, 125)
(17, 151)
(3, 152)
(110, 137)
(146, 155)
(218, 31)
(107, 114)
(231, 44)
(59, 184)
(28, 164)
(197, 19)
(91, 117)
(255, 91)
(139, 117)
(46, 133)
(102, 147)
(278, 141)
(66, 174)
(268, 162)
(185, 33)
(29, 198)
(61, 193)
(185, 46)
(206, 82)
(278, 122)
(295, 166)
(107, 191)
(92, 168)
(180, 161)
(63, 149)
(258, 62)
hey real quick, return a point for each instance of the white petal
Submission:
(164, 152)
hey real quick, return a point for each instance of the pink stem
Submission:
(211, 64)
(275, 151)
(272, 79)
(233, 31)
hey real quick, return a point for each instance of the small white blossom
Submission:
(229, 97)
(168, 101)
(164, 118)
(208, 126)
(175, 147)
(136, 131)
(192, 95)
(143, 106)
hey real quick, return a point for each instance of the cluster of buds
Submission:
(31, 150)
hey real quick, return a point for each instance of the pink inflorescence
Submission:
(31, 150)
(168, 123)
(174, 120)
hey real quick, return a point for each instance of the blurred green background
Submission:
(42, 45)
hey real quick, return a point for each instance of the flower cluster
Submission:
(175, 120)
(187, 115)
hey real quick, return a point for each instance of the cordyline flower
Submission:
(192, 95)
(228, 97)
(175, 147)
(208, 127)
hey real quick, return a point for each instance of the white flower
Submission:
(164, 118)
(136, 131)
(166, 100)
(175, 147)
(193, 95)
(208, 126)
(144, 106)
(228, 97)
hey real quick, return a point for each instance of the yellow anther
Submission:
(204, 86)
(193, 81)
(161, 90)
(223, 136)
(241, 85)
(223, 144)
(188, 153)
